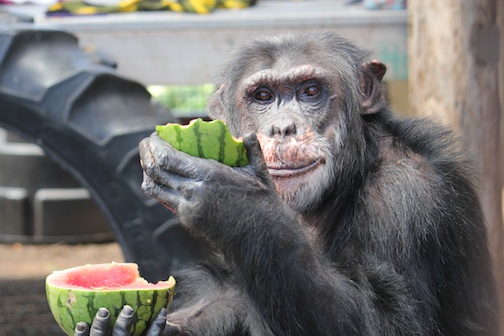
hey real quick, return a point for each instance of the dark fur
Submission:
(396, 245)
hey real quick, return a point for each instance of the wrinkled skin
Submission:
(347, 221)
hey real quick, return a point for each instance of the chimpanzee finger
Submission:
(162, 176)
(143, 148)
(158, 156)
(81, 329)
(255, 156)
(159, 152)
(157, 327)
(254, 152)
(150, 163)
(167, 196)
(101, 323)
(153, 154)
(123, 322)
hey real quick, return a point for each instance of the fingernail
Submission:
(128, 311)
(80, 327)
(103, 313)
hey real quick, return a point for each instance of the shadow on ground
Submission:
(24, 310)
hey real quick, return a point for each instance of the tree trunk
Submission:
(456, 75)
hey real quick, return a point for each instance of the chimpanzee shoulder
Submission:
(420, 191)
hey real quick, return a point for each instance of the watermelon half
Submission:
(209, 140)
(76, 294)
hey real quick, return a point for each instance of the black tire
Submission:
(90, 121)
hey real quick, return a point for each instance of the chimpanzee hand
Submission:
(101, 324)
(205, 193)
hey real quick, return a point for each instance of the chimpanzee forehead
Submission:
(285, 76)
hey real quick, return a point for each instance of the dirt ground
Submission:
(23, 268)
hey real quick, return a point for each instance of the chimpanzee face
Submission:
(287, 107)
(306, 106)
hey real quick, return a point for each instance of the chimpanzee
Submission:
(347, 221)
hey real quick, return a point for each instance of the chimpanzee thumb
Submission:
(255, 156)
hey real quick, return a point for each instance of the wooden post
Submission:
(456, 75)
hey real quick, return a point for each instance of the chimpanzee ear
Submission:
(372, 89)
(216, 104)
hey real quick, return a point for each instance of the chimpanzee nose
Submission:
(284, 127)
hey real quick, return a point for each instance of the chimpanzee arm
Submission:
(391, 249)
(209, 301)
(239, 211)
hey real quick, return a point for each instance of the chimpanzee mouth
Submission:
(282, 170)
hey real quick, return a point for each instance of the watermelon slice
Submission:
(209, 140)
(76, 294)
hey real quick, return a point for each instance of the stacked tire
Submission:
(89, 120)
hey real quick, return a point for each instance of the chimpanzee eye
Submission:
(310, 91)
(263, 95)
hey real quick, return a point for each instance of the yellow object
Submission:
(78, 7)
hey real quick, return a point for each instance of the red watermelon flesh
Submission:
(104, 277)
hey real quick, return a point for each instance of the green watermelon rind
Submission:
(70, 306)
(209, 140)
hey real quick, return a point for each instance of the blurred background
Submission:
(82, 83)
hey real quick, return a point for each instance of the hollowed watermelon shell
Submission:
(209, 140)
(76, 294)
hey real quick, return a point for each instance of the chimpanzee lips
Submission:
(292, 158)
(285, 171)
(293, 177)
